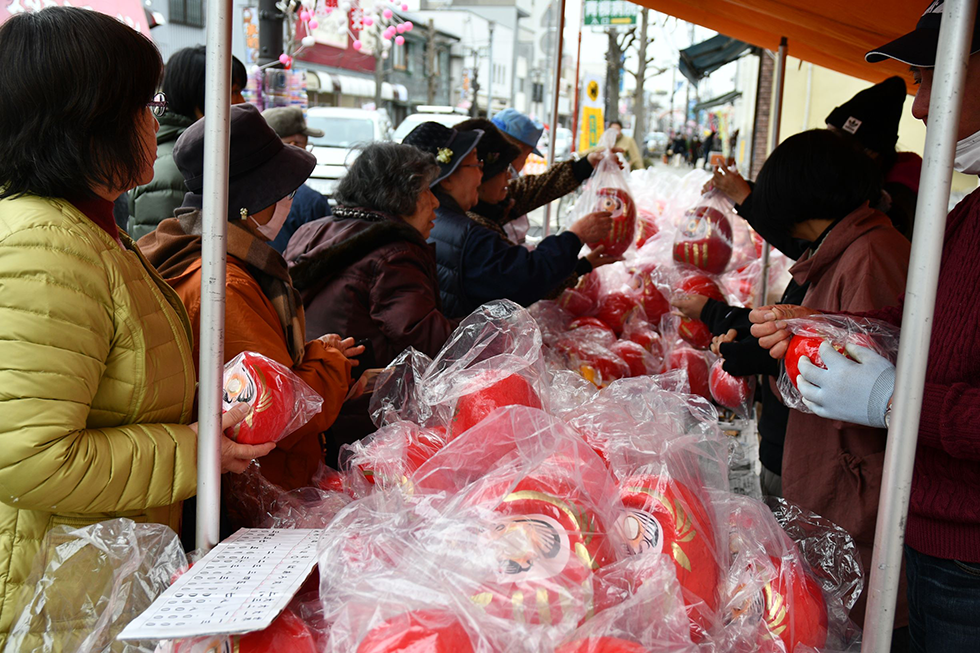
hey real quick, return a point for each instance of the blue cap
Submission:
(518, 126)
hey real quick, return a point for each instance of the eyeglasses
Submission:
(158, 105)
(293, 194)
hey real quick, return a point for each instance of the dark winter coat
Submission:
(153, 203)
(476, 261)
(369, 276)
(308, 205)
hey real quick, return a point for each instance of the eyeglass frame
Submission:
(158, 105)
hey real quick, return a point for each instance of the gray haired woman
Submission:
(367, 269)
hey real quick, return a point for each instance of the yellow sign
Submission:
(592, 90)
(592, 128)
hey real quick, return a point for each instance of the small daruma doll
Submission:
(280, 401)
(618, 203)
(704, 240)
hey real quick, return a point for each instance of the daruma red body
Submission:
(697, 369)
(619, 203)
(704, 240)
(727, 390)
(268, 389)
(809, 346)
(664, 516)
(512, 390)
(422, 631)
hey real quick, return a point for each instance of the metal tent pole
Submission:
(920, 300)
(559, 45)
(213, 250)
(773, 142)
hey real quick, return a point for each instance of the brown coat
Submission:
(371, 277)
(829, 467)
(252, 324)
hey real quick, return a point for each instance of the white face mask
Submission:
(271, 229)
(967, 159)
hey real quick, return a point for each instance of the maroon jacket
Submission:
(369, 276)
(944, 510)
(830, 467)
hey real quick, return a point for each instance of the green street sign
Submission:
(610, 12)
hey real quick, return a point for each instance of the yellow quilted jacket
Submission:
(96, 382)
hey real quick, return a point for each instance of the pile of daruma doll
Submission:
(618, 322)
(505, 506)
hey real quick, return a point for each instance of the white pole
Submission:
(213, 249)
(559, 45)
(920, 300)
(774, 122)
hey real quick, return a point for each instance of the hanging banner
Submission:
(609, 12)
(592, 124)
(129, 12)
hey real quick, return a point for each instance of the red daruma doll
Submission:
(280, 401)
(618, 203)
(704, 240)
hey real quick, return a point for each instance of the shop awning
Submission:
(355, 86)
(727, 98)
(702, 59)
(319, 82)
(830, 33)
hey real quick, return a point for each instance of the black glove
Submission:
(745, 357)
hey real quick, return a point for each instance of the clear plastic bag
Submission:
(695, 364)
(733, 392)
(251, 501)
(704, 239)
(280, 401)
(396, 390)
(389, 456)
(89, 583)
(839, 331)
(775, 601)
(607, 190)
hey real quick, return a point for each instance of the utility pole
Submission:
(430, 58)
(578, 83)
(490, 84)
(379, 67)
(270, 32)
(474, 108)
(639, 102)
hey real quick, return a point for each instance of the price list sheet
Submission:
(240, 586)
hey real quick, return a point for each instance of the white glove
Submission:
(856, 391)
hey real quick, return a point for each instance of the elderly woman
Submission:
(476, 261)
(367, 270)
(97, 382)
(263, 312)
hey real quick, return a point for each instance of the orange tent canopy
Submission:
(830, 33)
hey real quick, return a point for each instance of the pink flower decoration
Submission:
(408, 26)
(368, 21)
(387, 13)
(304, 16)
(357, 45)
(400, 29)
(400, 40)
(314, 24)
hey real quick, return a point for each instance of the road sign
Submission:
(610, 12)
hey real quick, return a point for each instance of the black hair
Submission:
(615, 122)
(814, 175)
(73, 87)
(183, 80)
(387, 177)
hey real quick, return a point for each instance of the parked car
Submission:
(656, 143)
(343, 131)
(563, 144)
(447, 116)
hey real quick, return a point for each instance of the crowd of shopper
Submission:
(99, 333)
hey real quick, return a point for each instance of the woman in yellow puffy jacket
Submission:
(96, 377)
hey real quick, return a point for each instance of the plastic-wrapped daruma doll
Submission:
(704, 240)
(619, 203)
(280, 401)
(664, 516)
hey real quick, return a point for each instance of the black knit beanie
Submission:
(872, 116)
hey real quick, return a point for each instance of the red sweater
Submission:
(944, 511)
